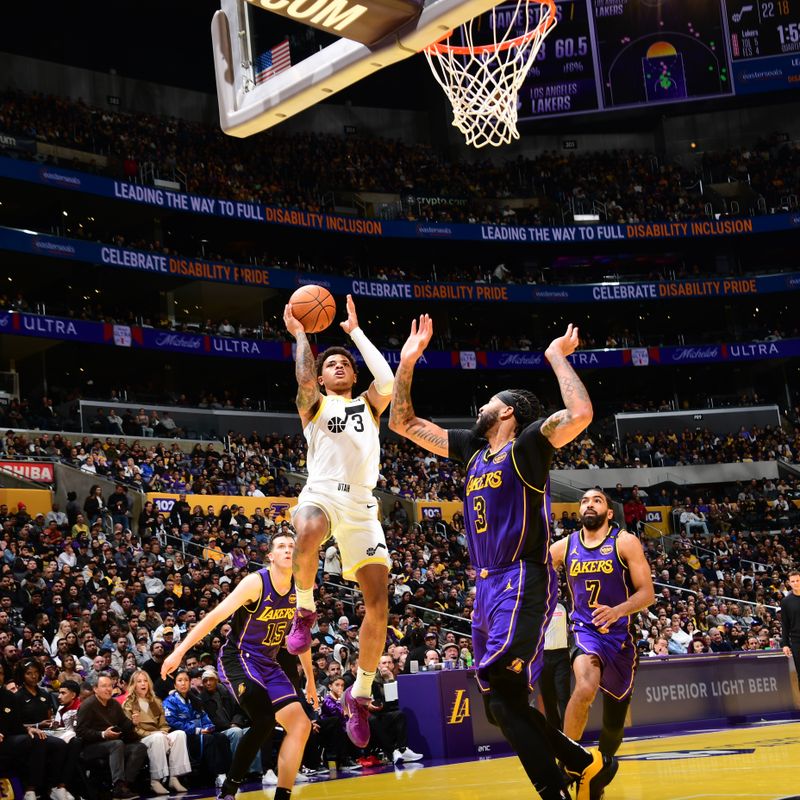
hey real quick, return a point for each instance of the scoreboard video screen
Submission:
(612, 54)
(562, 79)
(655, 52)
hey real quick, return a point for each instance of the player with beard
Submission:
(609, 580)
(507, 512)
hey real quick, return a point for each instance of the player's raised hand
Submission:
(351, 323)
(564, 345)
(421, 333)
(293, 325)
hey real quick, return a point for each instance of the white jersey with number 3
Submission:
(343, 443)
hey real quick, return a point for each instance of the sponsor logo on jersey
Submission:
(606, 549)
(605, 565)
(292, 599)
(500, 459)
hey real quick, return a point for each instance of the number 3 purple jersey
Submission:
(598, 576)
(507, 519)
(259, 630)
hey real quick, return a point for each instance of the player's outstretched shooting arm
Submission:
(402, 419)
(379, 394)
(305, 370)
(563, 426)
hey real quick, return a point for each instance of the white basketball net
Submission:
(482, 81)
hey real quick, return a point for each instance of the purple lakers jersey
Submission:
(259, 630)
(596, 576)
(507, 518)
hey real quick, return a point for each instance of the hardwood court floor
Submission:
(743, 762)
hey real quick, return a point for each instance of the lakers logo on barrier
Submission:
(460, 710)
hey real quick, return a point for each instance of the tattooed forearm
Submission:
(304, 361)
(573, 392)
(403, 419)
(421, 431)
(306, 373)
(402, 409)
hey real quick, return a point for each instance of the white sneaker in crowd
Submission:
(59, 793)
(156, 787)
(220, 779)
(269, 778)
(176, 786)
(30, 795)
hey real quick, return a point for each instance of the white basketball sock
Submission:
(305, 598)
(363, 683)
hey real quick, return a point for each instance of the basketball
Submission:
(314, 306)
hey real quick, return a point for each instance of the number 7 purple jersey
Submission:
(598, 576)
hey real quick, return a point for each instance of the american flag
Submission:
(273, 61)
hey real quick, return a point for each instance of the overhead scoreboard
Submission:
(614, 54)
(764, 40)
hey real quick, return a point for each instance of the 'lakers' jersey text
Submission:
(343, 443)
(596, 576)
(259, 630)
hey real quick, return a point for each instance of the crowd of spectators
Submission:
(90, 599)
(631, 186)
(260, 465)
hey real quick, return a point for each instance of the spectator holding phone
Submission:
(106, 731)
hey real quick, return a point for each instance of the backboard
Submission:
(378, 33)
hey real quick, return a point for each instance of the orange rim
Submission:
(441, 47)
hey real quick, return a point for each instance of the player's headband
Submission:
(509, 398)
(524, 411)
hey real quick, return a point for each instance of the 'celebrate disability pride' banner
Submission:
(21, 241)
(58, 177)
(133, 336)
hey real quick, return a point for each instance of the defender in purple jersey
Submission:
(609, 580)
(507, 511)
(260, 609)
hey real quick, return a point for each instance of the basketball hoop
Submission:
(482, 81)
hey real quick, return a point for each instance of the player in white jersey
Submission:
(343, 461)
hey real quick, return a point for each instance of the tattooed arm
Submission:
(402, 418)
(563, 426)
(308, 395)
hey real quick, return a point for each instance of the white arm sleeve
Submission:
(376, 363)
